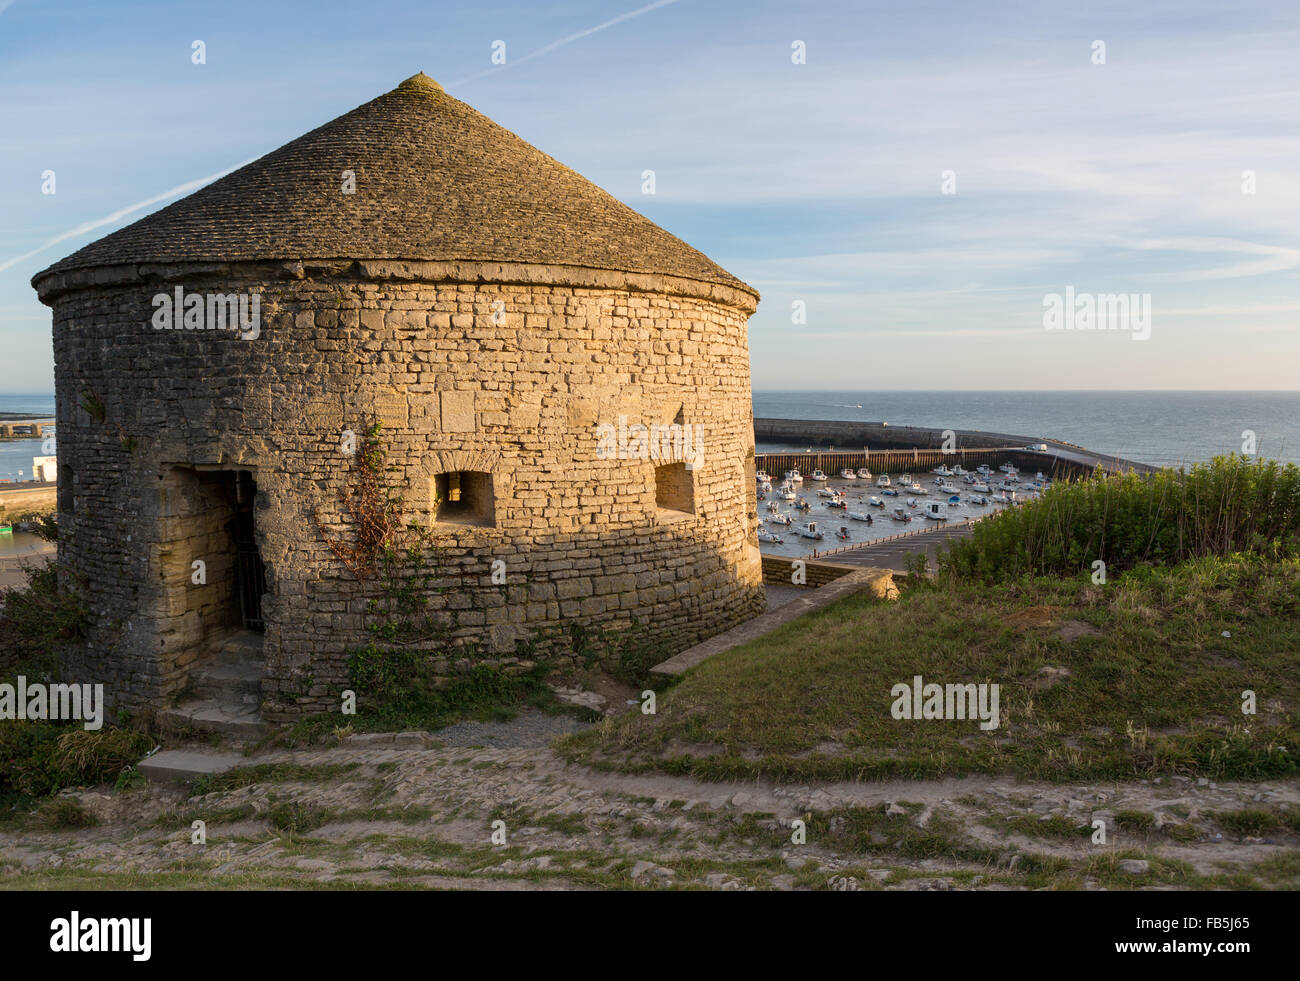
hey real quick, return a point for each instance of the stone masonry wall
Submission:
(512, 380)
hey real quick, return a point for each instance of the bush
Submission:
(402, 688)
(39, 758)
(1227, 506)
(35, 619)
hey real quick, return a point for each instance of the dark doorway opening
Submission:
(250, 571)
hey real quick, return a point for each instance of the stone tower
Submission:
(512, 327)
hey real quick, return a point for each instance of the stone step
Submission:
(244, 645)
(183, 765)
(217, 716)
(232, 681)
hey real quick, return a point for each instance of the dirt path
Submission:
(425, 817)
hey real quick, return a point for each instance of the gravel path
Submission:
(530, 729)
(512, 818)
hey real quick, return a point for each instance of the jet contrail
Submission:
(122, 212)
(547, 49)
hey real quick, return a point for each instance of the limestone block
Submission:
(458, 412)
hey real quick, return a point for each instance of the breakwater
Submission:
(884, 447)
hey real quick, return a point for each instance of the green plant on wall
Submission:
(93, 405)
(372, 506)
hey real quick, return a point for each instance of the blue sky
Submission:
(817, 182)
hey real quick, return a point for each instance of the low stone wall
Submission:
(777, 570)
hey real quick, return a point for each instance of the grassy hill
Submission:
(1142, 674)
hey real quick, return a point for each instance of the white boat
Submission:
(983, 469)
(767, 536)
(773, 506)
(941, 484)
(827, 492)
(780, 519)
(794, 476)
(898, 514)
(906, 480)
(818, 475)
(982, 489)
(864, 473)
(810, 531)
(942, 470)
(838, 502)
(787, 491)
(875, 502)
(959, 471)
(911, 502)
(1039, 478)
(971, 499)
(765, 487)
(915, 488)
(934, 511)
(859, 516)
(883, 480)
(762, 477)
(848, 474)
(1008, 467)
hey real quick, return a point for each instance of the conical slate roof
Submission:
(435, 180)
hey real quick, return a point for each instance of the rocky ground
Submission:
(414, 811)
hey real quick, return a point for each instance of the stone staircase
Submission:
(226, 691)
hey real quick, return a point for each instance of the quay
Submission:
(890, 449)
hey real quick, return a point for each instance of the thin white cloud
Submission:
(5, 5)
(547, 49)
(90, 226)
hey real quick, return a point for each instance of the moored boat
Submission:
(849, 474)
(818, 475)
(810, 531)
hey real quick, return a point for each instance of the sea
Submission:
(1160, 428)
